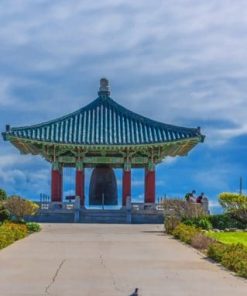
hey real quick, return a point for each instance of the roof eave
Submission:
(9, 137)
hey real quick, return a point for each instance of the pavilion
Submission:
(103, 135)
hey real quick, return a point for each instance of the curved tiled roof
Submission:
(104, 122)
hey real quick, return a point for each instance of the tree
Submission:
(3, 194)
(234, 204)
(19, 207)
(4, 214)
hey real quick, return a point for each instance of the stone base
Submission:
(122, 216)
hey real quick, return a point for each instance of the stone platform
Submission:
(137, 214)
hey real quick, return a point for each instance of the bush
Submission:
(182, 209)
(3, 195)
(233, 257)
(185, 232)
(10, 232)
(175, 210)
(19, 207)
(33, 227)
(6, 237)
(225, 221)
(4, 214)
(234, 204)
(201, 222)
(19, 230)
(201, 241)
(216, 251)
(171, 223)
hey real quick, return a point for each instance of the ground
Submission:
(93, 259)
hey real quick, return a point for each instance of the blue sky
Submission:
(179, 62)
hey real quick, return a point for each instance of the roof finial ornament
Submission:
(104, 89)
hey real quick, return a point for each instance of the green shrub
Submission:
(3, 195)
(4, 214)
(225, 221)
(185, 232)
(19, 230)
(10, 232)
(33, 227)
(201, 222)
(233, 257)
(6, 237)
(216, 251)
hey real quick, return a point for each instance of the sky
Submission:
(181, 62)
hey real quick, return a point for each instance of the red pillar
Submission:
(150, 186)
(79, 181)
(126, 185)
(56, 184)
(61, 183)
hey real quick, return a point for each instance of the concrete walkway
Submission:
(93, 259)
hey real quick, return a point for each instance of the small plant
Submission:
(171, 223)
(201, 222)
(201, 241)
(185, 232)
(33, 227)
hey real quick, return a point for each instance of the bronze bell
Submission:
(103, 187)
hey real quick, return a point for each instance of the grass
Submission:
(230, 237)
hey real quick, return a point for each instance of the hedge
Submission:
(224, 221)
(233, 257)
(185, 232)
(10, 232)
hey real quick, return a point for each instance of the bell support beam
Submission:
(80, 182)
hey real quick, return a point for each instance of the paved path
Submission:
(112, 260)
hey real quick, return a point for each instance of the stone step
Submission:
(103, 216)
(52, 218)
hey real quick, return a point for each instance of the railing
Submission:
(146, 207)
(45, 204)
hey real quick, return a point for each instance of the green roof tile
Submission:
(103, 122)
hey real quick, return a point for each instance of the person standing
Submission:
(190, 196)
(199, 198)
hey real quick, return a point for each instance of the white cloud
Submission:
(192, 52)
(184, 63)
(8, 160)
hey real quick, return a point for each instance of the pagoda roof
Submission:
(103, 122)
